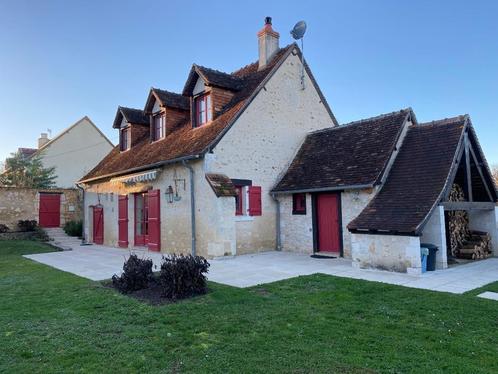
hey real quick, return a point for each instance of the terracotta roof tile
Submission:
(416, 180)
(221, 185)
(349, 155)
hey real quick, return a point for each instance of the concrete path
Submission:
(99, 262)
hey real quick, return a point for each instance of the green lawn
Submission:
(52, 321)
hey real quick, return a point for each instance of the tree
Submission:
(27, 172)
(494, 171)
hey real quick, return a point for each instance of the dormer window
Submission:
(203, 110)
(124, 139)
(159, 126)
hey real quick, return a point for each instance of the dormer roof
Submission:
(166, 98)
(130, 115)
(211, 77)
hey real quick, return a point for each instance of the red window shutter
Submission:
(123, 221)
(254, 200)
(154, 220)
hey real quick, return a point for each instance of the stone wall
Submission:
(486, 220)
(387, 252)
(296, 230)
(262, 143)
(435, 233)
(23, 204)
(352, 203)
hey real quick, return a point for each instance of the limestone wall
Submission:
(262, 143)
(386, 252)
(435, 233)
(24, 203)
(215, 231)
(486, 220)
(296, 229)
(352, 203)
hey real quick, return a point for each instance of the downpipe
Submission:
(278, 246)
(192, 205)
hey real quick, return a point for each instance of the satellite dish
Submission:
(298, 33)
(298, 30)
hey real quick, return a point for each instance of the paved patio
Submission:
(99, 262)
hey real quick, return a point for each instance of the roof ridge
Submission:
(255, 62)
(168, 92)
(129, 108)
(361, 121)
(446, 120)
(217, 71)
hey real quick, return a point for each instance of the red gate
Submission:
(123, 221)
(98, 225)
(50, 210)
(327, 206)
(154, 220)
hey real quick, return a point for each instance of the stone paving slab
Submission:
(489, 295)
(99, 262)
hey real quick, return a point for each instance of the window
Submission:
(203, 110)
(124, 139)
(299, 203)
(159, 126)
(247, 199)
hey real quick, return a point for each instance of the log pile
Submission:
(465, 244)
(476, 247)
(458, 221)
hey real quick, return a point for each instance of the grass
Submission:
(51, 321)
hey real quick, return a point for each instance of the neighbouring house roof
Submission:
(184, 142)
(417, 179)
(351, 155)
(212, 77)
(64, 132)
(131, 115)
(166, 98)
(27, 152)
(221, 185)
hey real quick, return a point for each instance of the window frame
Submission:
(125, 138)
(299, 208)
(239, 201)
(158, 132)
(204, 98)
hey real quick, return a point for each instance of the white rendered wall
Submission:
(75, 153)
(435, 233)
(387, 252)
(486, 220)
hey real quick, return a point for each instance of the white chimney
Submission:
(43, 139)
(268, 43)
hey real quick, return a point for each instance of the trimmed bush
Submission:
(27, 225)
(183, 276)
(3, 228)
(74, 228)
(137, 274)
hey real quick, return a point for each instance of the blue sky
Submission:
(61, 60)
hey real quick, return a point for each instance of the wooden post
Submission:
(467, 168)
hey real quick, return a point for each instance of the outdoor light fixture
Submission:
(169, 194)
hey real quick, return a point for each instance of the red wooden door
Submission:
(327, 206)
(50, 210)
(98, 225)
(154, 220)
(123, 221)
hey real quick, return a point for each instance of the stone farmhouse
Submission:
(255, 160)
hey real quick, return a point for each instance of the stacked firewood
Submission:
(476, 247)
(465, 244)
(458, 221)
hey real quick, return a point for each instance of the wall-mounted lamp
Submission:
(169, 194)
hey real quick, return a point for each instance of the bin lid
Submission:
(429, 246)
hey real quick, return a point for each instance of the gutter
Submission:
(278, 241)
(142, 168)
(192, 206)
(324, 189)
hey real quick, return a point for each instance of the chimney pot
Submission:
(43, 139)
(267, 43)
